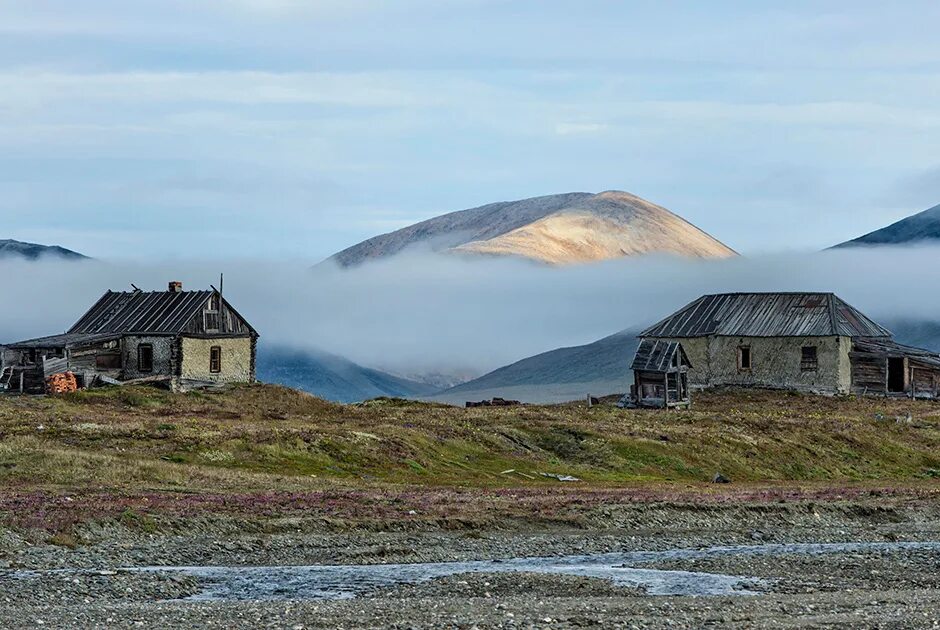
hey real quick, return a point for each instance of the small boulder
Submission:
(719, 478)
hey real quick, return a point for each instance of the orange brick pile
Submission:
(61, 383)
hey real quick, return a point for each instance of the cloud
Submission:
(568, 128)
(232, 87)
(415, 312)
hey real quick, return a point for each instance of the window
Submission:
(215, 359)
(808, 361)
(108, 361)
(145, 358)
(744, 358)
(211, 321)
(210, 316)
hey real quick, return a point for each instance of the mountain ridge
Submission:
(917, 228)
(10, 248)
(332, 377)
(560, 229)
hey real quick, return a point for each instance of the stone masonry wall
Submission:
(775, 362)
(162, 356)
(236, 359)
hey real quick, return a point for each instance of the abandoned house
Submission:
(812, 342)
(181, 337)
(661, 374)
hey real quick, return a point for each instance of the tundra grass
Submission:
(262, 437)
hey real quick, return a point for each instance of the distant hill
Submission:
(921, 333)
(31, 251)
(556, 229)
(921, 227)
(332, 377)
(603, 367)
(599, 368)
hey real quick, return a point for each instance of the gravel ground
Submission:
(877, 588)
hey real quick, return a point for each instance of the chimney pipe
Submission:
(175, 287)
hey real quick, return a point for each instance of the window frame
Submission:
(809, 364)
(213, 312)
(215, 359)
(140, 364)
(742, 349)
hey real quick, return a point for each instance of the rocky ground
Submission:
(77, 583)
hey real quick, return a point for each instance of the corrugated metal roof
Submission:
(153, 312)
(767, 315)
(655, 355)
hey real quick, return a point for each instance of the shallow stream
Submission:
(623, 569)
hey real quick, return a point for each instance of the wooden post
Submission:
(21, 381)
(666, 390)
(887, 374)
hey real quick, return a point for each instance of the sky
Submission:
(289, 129)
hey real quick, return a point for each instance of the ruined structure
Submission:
(813, 342)
(180, 337)
(660, 374)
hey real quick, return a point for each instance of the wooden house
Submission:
(814, 342)
(660, 375)
(181, 337)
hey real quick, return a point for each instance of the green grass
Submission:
(263, 437)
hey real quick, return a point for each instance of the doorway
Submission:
(896, 374)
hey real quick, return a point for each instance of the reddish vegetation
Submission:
(419, 507)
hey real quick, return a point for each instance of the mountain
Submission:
(921, 227)
(603, 367)
(555, 229)
(32, 251)
(921, 333)
(599, 368)
(331, 377)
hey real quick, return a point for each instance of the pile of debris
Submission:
(496, 402)
(62, 383)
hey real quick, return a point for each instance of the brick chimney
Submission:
(175, 287)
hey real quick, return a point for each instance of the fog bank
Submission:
(424, 312)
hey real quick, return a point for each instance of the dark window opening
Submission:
(215, 359)
(108, 361)
(808, 359)
(145, 358)
(744, 358)
(896, 374)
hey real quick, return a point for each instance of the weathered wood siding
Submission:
(229, 321)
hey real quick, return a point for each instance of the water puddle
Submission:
(623, 569)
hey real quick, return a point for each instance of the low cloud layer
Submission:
(430, 312)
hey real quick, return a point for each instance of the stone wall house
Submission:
(181, 337)
(813, 342)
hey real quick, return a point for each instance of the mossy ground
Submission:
(263, 437)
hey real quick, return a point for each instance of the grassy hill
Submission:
(245, 438)
(268, 453)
